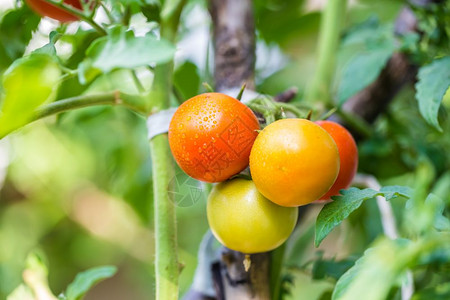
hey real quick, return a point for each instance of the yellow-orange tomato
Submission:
(244, 220)
(211, 136)
(46, 9)
(348, 153)
(294, 162)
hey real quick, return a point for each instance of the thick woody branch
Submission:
(233, 282)
(234, 43)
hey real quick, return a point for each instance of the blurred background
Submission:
(79, 188)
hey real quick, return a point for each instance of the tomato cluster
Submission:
(293, 162)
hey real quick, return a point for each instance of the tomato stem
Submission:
(166, 254)
(330, 28)
(135, 103)
(137, 82)
(208, 87)
(290, 108)
(241, 92)
(80, 14)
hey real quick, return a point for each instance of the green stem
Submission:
(276, 265)
(80, 14)
(208, 87)
(137, 82)
(166, 256)
(110, 98)
(357, 123)
(293, 109)
(332, 18)
(126, 16)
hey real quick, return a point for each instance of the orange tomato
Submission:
(294, 162)
(211, 136)
(348, 154)
(46, 9)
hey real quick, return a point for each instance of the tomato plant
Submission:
(87, 137)
(294, 162)
(46, 9)
(244, 220)
(348, 155)
(211, 136)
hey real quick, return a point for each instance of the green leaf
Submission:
(50, 47)
(385, 252)
(433, 82)
(333, 213)
(276, 19)
(369, 34)
(361, 71)
(394, 191)
(121, 49)
(436, 206)
(187, 80)
(86, 280)
(151, 11)
(16, 29)
(302, 286)
(383, 267)
(323, 268)
(28, 83)
(439, 291)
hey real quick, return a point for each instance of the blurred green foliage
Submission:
(79, 186)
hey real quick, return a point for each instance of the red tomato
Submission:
(46, 9)
(348, 154)
(211, 136)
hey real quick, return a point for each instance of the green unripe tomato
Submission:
(244, 220)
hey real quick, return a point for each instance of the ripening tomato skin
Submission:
(211, 135)
(244, 220)
(348, 154)
(294, 162)
(46, 9)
